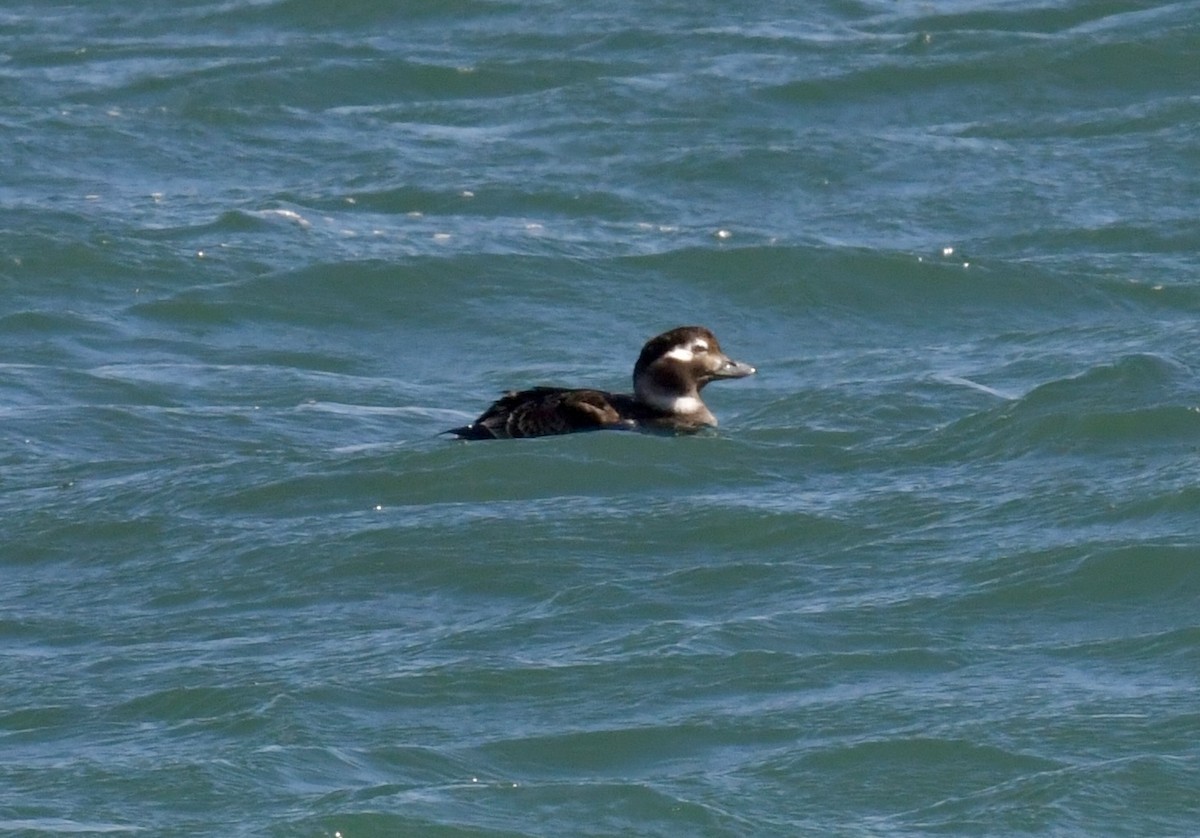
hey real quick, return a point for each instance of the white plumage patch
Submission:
(687, 404)
(687, 354)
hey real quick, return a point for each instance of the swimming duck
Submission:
(667, 378)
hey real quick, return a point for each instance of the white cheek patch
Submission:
(687, 354)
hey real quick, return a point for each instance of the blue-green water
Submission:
(937, 573)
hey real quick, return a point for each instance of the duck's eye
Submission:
(688, 352)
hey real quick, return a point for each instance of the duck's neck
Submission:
(686, 405)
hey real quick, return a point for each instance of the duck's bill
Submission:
(733, 369)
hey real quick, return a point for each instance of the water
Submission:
(936, 573)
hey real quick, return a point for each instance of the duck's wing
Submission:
(545, 411)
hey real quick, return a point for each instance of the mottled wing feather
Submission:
(548, 411)
(545, 411)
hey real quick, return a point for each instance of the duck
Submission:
(669, 374)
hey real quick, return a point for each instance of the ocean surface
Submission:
(936, 573)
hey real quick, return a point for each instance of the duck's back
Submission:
(546, 411)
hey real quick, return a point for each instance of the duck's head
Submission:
(675, 366)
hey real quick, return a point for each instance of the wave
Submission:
(1137, 402)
